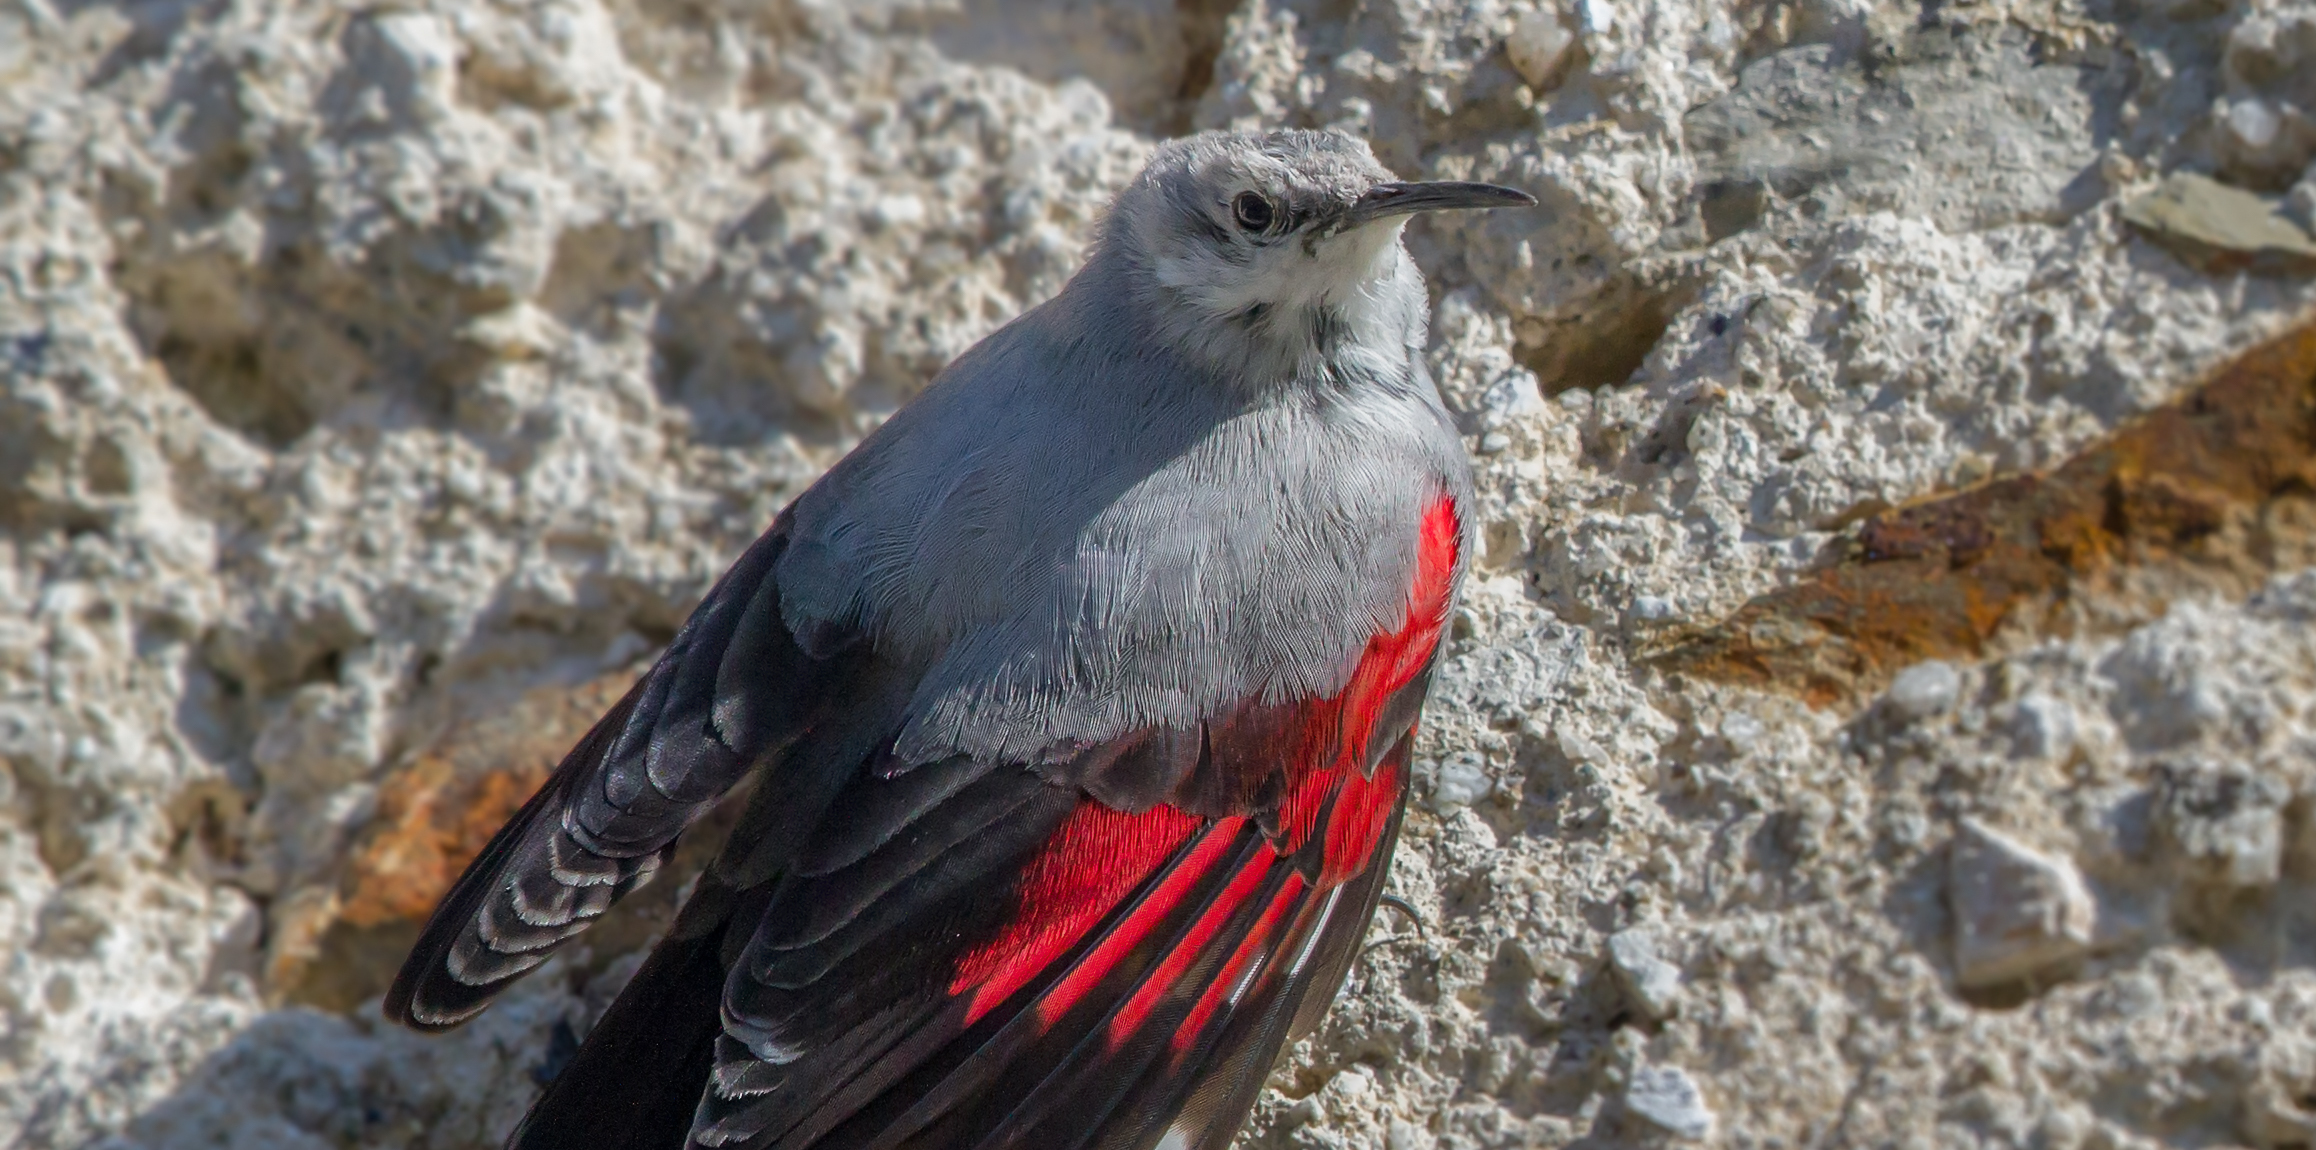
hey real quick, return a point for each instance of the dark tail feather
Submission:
(636, 1080)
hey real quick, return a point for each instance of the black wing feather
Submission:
(426, 994)
(664, 1020)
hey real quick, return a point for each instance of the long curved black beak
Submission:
(1396, 199)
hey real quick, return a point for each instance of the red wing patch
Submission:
(1097, 858)
(1231, 981)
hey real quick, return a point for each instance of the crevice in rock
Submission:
(325, 667)
(1153, 60)
(2003, 996)
(227, 380)
(599, 272)
(489, 84)
(1604, 345)
(104, 469)
(706, 363)
(274, 347)
(1730, 206)
(1203, 25)
(2214, 489)
(209, 823)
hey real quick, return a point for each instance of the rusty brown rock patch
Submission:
(434, 815)
(2219, 479)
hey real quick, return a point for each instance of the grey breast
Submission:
(1077, 537)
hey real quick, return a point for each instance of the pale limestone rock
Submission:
(1405, 1135)
(2044, 726)
(2206, 220)
(2018, 912)
(1667, 1098)
(1924, 690)
(2269, 124)
(1652, 984)
(1459, 781)
(2300, 202)
(1537, 45)
(2225, 821)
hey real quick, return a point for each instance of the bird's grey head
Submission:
(1267, 245)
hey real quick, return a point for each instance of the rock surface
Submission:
(378, 384)
(1652, 985)
(2214, 224)
(2018, 913)
(1666, 1098)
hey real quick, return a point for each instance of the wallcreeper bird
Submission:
(1077, 699)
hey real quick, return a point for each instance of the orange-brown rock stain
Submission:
(2202, 482)
(437, 812)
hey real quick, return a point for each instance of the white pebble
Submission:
(1651, 983)
(2043, 726)
(1537, 43)
(1667, 1098)
(1925, 689)
(1463, 780)
(2017, 911)
(2254, 123)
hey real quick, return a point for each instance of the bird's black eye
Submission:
(1254, 212)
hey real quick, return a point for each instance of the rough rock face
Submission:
(1885, 712)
